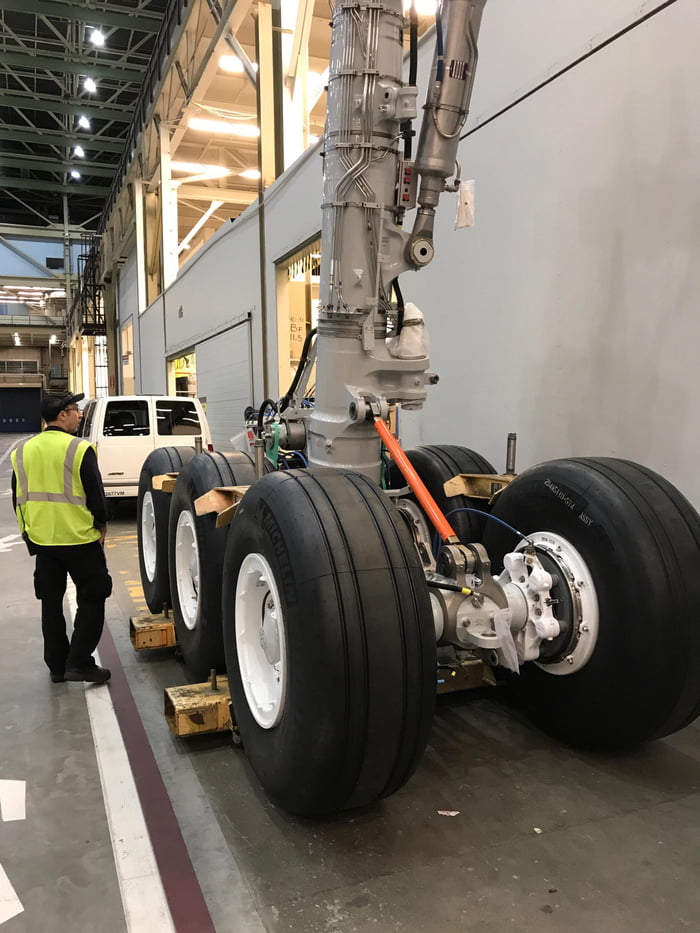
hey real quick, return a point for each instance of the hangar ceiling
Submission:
(70, 75)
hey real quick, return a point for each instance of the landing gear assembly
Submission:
(348, 569)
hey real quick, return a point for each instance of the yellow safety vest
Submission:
(50, 494)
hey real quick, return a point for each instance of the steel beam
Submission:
(54, 138)
(17, 281)
(228, 195)
(57, 165)
(32, 184)
(41, 233)
(77, 66)
(140, 21)
(121, 114)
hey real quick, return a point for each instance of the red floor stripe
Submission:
(187, 905)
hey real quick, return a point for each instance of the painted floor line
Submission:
(10, 904)
(143, 897)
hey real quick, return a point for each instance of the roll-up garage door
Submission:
(19, 410)
(223, 379)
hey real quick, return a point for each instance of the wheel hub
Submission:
(261, 640)
(577, 606)
(148, 536)
(187, 568)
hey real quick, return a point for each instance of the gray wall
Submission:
(567, 313)
(153, 379)
(224, 381)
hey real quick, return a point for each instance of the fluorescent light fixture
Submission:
(250, 173)
(231, 63)
(197, 168)
(97, 38)
(61, 293)
(214, 206)
(224, 126)
(79, 152)
(74, 173)
(89, 85)
(234, 65)
(84, 122)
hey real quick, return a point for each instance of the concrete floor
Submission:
(545, 838)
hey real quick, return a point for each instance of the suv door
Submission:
(124, 441)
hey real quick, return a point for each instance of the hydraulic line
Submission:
(430, 506)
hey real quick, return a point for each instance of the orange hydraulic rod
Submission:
(430, 506)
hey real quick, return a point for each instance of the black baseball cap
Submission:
(54, 403)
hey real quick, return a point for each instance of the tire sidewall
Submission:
(624, 668)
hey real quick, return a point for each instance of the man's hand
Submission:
(103, 535)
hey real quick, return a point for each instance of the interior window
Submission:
(126, 419)
(177, 417)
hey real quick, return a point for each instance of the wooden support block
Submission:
(165, 482)
(477, 485)
(465, 675)
(152, 631)
(223, 500)
(197, 708)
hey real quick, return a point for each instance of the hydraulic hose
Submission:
(304, 359)
(430, 506)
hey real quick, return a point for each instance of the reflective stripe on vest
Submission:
(51, 501)
(66, 495)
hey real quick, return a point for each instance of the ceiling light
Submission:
(197, 168)
(79, 152)
(224, 126)
(231, 63)
(53, 339)
(74, 173)
(89, 85)
(250, 173)
(84, 122)
(18, 342)
(97, 38)
(58, 294)
(313, 138)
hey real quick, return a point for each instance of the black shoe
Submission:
(58, 677)
(90, 675)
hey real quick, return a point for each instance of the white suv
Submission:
(126, 428)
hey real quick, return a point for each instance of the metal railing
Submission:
(32, 320)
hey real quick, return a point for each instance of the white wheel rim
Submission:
(187, 568)
(148, 536)
(261, 641)
(580, 582)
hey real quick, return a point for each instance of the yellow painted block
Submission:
(197, 708)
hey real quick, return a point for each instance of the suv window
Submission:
(86, 421)
(177, 417)
(126, 419)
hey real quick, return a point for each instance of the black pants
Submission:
(87, 567)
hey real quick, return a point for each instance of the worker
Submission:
(61, 509)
